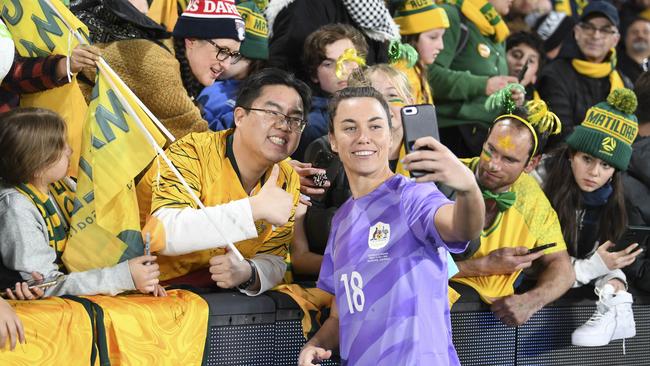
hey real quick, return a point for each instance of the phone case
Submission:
(418, 121)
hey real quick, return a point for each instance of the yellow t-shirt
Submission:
(530, 222)
(203, 161)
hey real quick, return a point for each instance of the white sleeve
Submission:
(189, 230)
(270, 270)
(588, 269)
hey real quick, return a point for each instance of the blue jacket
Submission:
(218, 101)
(317, 121)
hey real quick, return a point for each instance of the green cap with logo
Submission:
(609, 129)
(256, 39)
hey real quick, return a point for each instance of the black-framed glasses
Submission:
(223, 53)
(277, 118)
(591, 30)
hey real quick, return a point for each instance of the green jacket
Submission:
(458, 82)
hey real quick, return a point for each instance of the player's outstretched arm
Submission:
(463, 220)
(320, 346)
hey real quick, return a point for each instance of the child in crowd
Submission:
(524, 48)
(422, 25)
(34, 154)
(386, 256)
(322, 57)
(585, 189)
(218, 100)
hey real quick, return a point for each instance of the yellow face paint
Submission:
(505, 143)
(486, 156)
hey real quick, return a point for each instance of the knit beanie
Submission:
(553, 28)
(209, 19)
(6, 51)
(417, 16)
(609, 129)
(256, 41)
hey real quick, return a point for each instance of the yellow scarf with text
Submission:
(485, 17)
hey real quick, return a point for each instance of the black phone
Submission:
(523, 70)
(633, 234)
(541, 247)
(418, 121)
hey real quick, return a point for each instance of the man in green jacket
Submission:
(471, 66)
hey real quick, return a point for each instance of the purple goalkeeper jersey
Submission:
(387, 266)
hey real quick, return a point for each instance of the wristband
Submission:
(251, 279)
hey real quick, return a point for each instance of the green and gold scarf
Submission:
(55, 227)
(485, 17)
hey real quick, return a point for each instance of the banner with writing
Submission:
(39, 31)
(105, 225)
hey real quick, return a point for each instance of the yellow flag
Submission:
(165, 12)
(38, 30)
(105, 227)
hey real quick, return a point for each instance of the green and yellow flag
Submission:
(105, 225)
(38, 28)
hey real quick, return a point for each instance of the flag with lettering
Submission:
(105, 223)
(40, 28)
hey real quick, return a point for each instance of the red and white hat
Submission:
(209, 19)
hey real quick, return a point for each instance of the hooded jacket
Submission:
(24, 248)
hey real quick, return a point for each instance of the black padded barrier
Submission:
(266, 330)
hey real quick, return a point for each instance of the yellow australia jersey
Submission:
(203, 161)
(530, 222)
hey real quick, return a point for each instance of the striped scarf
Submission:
(55, 227)
(485, 18)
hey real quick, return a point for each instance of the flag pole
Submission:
(103, 65)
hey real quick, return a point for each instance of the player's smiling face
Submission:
(361, 136)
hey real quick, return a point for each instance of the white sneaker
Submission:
(613, 319)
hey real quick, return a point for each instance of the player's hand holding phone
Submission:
(439, 164)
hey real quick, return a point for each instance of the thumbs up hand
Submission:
(272, 203)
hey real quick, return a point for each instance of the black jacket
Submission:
(300, 18)
(630, 68)
(568, 93)
(636, 182)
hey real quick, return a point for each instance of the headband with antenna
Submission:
(541, 122)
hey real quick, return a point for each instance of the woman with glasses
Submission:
(167, 75)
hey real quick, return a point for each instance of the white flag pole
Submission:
(104, 66)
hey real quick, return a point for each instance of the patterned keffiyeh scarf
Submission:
(373, 18)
